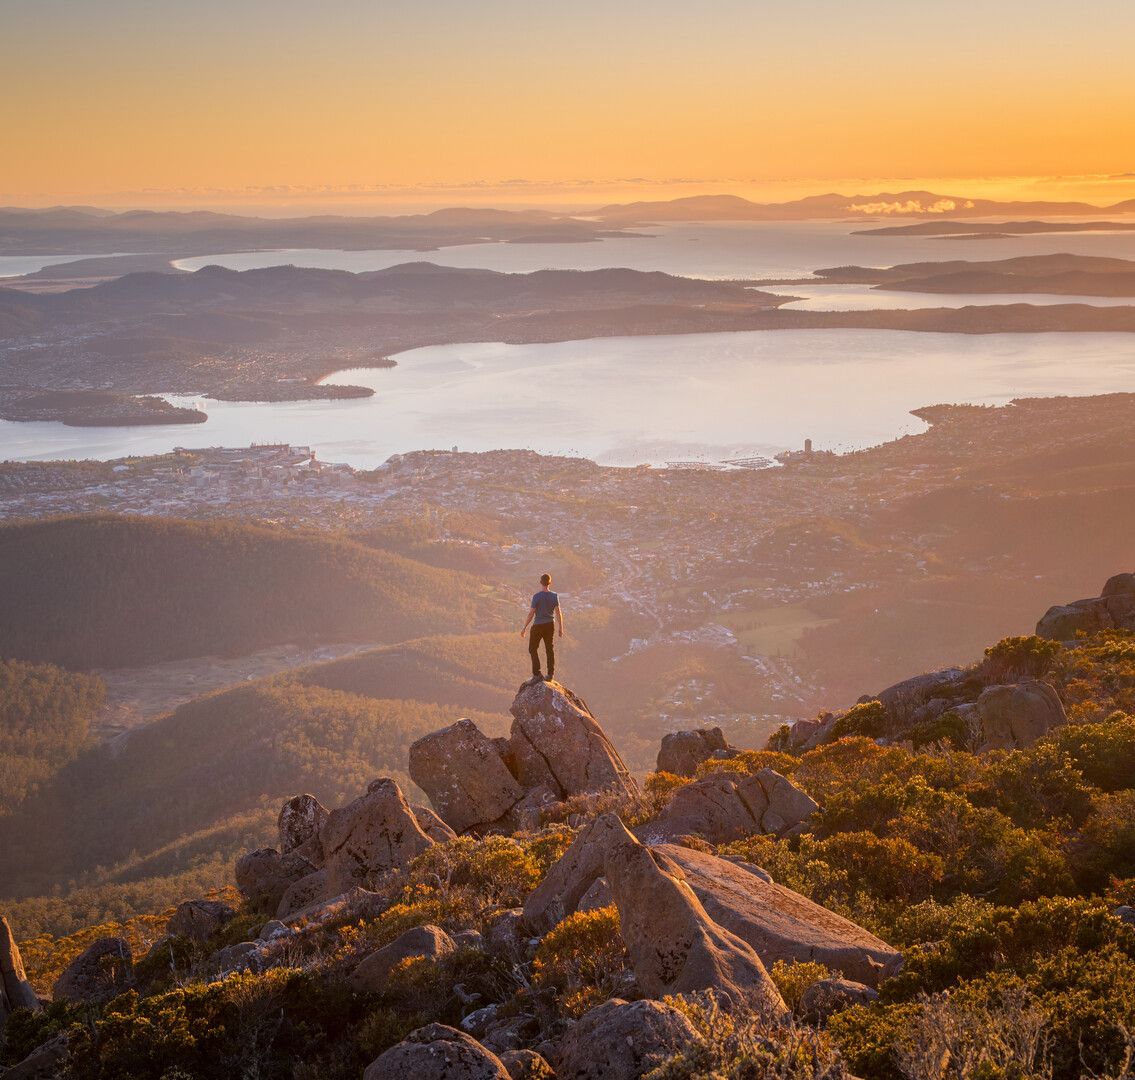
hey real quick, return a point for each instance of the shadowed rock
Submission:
(437, 1052)
(558, 744)
(15, 990)
(621, 1040)
(683, 751)
(463, 773)
(1017, 715)
(724, 806)
(432, 825)
(828, 996)
(375, 833)
(301, 819)
(199, 919)
(101, 971)
(264, 876)
(420, 941)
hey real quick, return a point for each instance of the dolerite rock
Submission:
(505, 936)
(1114, 608)
(621, 1040)
(723, 806)
(673, 944)
(45, 1062)
(375, 833)
(310, 889)
(431, 942)
(527, 1065)
(828, 996)
(437, 1052)
(1017, 715)
(557, 743)
(901, 699)
(199, 920)
(778, 923)
(15, 990)
(243, 956)
(301, 819)
(264, 875)
(463, 773)
(432, 825)
(101, 971)
(683, 751)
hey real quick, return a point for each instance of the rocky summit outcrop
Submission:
(437, 1052)
(674, 945)
(101, 971)
(1016, 715)
(465, 776)
(429, 942)
(683, 751)
(301, 819)
(623, 1040)
(15, 990)
(556, 749)
(556, 743)
(375, 833)
(726, 806)
(1113, 609)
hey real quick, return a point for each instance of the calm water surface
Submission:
(643, 399)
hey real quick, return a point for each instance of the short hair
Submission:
(545, 580)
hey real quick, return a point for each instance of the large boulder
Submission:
(199, 920)
(300, 821)
(683, 751)
(828, 996)
(673, 944)
(621, 1040)
(778, 923)
(557, 743)
(527, 1065)
(1018, 714)
(263, 876)
(1114, 608)
(437, 1052)
(15, 990)
(901, 699)
(45, 1062)
(723, 807)
(310, 889)
(101, 971)
(375, 833)
(431, 942)
(463, 773)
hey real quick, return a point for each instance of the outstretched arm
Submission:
(531, 616)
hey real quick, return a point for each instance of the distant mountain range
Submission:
(89, 230)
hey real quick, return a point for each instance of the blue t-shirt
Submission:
(545, 602)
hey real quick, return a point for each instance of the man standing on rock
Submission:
(545, 615)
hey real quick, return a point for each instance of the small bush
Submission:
(582, 958)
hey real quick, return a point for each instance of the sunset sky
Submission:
(156, 100)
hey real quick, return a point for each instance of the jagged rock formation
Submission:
(464, 774)
(1114, 608)
(423, 941)
(101, 971)
(777, 923)
(556, 749)
(199, 919)
(15, 990)
(723, 807)
(674, 945)
(1017, 715)
(437, 1052)
(621, 1040)
(332, 853)
(683, 751)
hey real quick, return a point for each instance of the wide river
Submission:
(625, 401)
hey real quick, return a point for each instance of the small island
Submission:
(93, 408)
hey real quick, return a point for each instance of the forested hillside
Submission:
(120, 591)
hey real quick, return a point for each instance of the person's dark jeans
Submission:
(545, 633)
